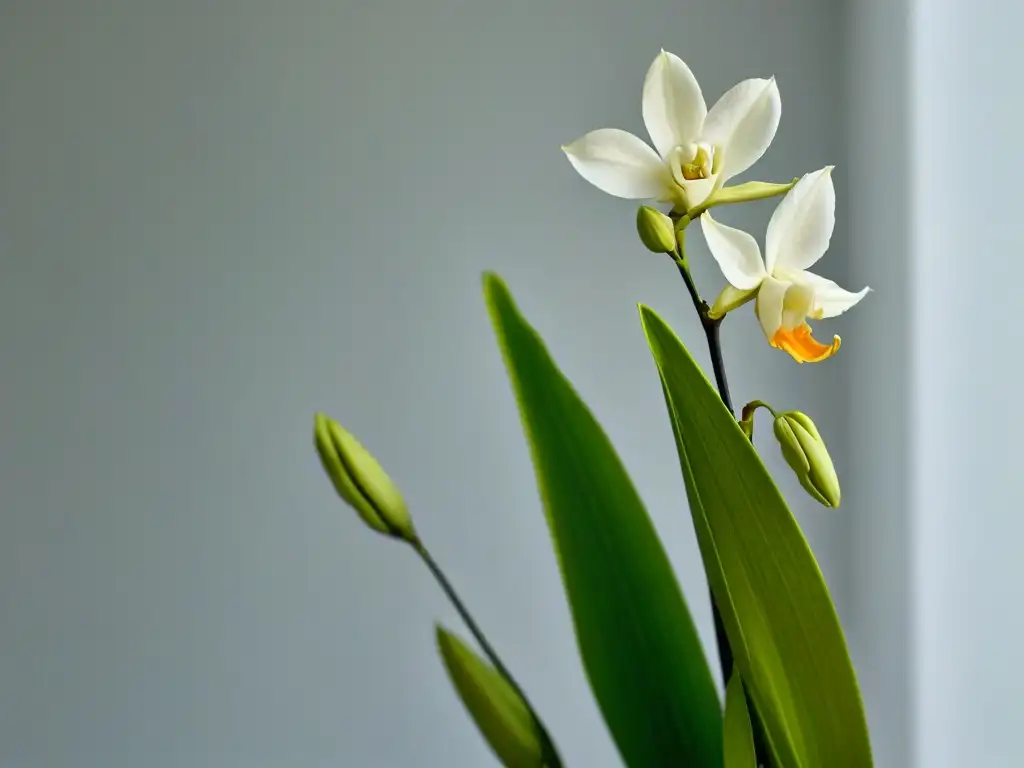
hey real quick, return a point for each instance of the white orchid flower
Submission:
(699, 149)
(787, 294)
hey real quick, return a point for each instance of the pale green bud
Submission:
(729, 299)
(804, 451)
(500, 713)
(360, 480)
(655, 229)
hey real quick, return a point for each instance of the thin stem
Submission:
(550, 752)
(698, 304)
(750, 408)
(711, 330)
(725, 657)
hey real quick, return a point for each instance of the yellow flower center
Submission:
(803, 347)
(693, 162)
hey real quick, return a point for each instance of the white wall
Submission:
(968, 485)
(216, 219)
(935, 143)
(879, 385)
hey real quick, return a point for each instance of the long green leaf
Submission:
(639, 647)
(778, 614)
(739, 736)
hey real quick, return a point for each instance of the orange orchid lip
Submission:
(803, 347)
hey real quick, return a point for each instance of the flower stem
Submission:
(551, 756)
(715, 347)
(753, 405)
(725, 658)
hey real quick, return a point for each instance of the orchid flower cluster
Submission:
(699, 150)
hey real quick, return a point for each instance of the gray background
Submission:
(217, 218)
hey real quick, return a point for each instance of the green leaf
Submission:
(639, 647)
(778, 615)
(502, 716)
(739, 736)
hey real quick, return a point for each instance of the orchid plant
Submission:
(791, 698)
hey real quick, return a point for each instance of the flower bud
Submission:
(361, 481)
(500, 713)
(655, 229)
(804, 451)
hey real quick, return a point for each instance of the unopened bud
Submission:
(360, 480)
(500, 713)
(655, 229)
(805, 452)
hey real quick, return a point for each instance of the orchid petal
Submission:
(830, 300)
(801, 227)
(735, 251)
(768, 306)
(673, 105)
(796, 305)
(696, 191)
(743, 123)
(620, 164)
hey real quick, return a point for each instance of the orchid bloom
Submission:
(699, 149)
(787, 294)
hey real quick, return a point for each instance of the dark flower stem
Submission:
(711, 332)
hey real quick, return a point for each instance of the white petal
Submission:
(768, 306)
(797, 305)
(619, 163)
(829, 299)
(673, 105)
(736, 253)
(801, 227)
(697, 190)
(743, 123)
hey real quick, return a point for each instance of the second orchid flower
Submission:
(787, 294)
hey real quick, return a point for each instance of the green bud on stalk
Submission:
(361, 481)
(805, 452)
(656, 230)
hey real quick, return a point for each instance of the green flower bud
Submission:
(500, 713)
(656, 230)
(361, 481)
(804, 451)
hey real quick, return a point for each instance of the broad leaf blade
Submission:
(639, 646)
(778, 614)
(739, 736)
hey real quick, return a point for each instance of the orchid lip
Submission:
(802, 346)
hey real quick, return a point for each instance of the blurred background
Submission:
(218, 218)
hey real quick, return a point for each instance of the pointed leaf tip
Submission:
(638, 643)
(739, 735)
(781, 623)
